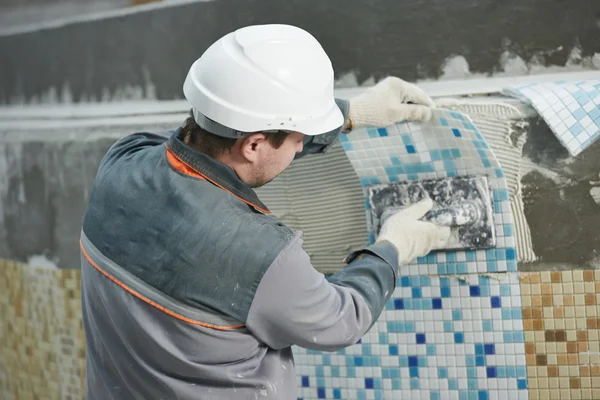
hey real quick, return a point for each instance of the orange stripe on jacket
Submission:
(152, 303)
(186, 169)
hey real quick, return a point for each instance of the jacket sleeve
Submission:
(296, 305)
(321, 143)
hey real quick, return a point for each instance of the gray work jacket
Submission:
(191, 290)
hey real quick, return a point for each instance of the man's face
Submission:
(271, 162)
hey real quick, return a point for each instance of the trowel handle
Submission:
(462, 214)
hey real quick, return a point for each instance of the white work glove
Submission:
(411, 237)
(387, 103)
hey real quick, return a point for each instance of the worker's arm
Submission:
(390, 101)
(296, 305)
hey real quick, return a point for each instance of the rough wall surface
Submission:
(147, 54)
(562, 213)
(44, 191)
(45, 197)
(19, 12)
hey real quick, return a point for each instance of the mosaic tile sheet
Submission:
(449, 145)
(571, 109)
(561, 311)
(440, 337)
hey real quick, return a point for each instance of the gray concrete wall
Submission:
(148, 53)
(45, 187)
(44, 194)
(563, 216)
(18, 12)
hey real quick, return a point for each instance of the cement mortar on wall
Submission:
(563, 215)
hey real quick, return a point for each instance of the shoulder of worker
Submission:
(135, 142)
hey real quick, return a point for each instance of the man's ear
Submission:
(251, 146)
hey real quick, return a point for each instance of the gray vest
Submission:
(170, 265)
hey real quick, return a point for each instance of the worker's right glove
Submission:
(411, 237)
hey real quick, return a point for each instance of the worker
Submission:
(190, 288)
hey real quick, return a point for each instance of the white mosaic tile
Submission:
(571, 109)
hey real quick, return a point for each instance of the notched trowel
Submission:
(463, 203)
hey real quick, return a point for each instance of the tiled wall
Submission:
(561, 313)
(440, 338)
(42, 352)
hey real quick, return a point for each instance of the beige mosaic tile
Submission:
(561, 312)
(42, 345)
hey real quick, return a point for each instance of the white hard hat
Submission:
(263, 78)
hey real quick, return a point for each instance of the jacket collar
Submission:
(212, 170)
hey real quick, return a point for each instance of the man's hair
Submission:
(212, 145)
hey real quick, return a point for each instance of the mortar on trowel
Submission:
(464, 204)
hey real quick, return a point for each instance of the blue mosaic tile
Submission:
(440, 337)
(571, 109)
(464, 347)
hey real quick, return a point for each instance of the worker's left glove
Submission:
(390, 101)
